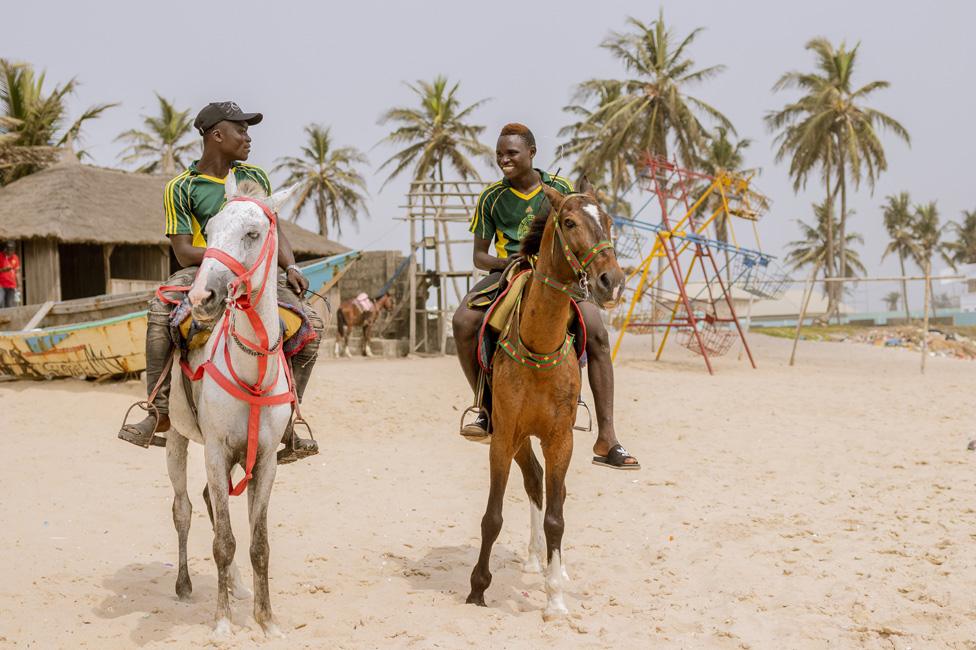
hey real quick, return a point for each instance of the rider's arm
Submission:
(286, 258)
(186, 253)
(484, 260)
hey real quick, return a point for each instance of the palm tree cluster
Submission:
(829, 130)
(34, 120)
(915, 234)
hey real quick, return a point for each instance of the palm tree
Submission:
(328, 178)
(585, 138)
(927, 235)
(963, 250)
(891, 300)
(898, 221)
(434, 133)
(812, 248)
(831, 130)
(161, 147)
(32, 120)
(650, 111)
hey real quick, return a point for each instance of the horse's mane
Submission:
(533, 239)
(251, 189)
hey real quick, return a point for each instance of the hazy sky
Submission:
(343, 63)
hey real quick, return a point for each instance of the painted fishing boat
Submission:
(108, 336)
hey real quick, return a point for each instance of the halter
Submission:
(578, 266)
(241, 297)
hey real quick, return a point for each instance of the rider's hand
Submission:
(297, 281)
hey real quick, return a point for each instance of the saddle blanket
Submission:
(363, 302)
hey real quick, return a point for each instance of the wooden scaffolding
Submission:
(439, 213)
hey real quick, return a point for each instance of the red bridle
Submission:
(240, 298)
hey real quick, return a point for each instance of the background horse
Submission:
(536, 383)
(360, 311)
(236, 286)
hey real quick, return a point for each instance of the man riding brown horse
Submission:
(504, 212)
(190, 200)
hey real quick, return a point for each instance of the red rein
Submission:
(254, 394)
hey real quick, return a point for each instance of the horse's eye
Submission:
(253, 234)
(569, 223)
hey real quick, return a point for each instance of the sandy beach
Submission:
(826, 505)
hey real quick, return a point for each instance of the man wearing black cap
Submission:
(190, 201)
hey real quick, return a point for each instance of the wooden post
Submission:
(412, 275)
(925, 320)
(107, 266)
(807, 292)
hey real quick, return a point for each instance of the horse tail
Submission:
(341, 321)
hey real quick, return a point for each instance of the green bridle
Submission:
(577, 265)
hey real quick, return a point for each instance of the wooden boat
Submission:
(104, 336)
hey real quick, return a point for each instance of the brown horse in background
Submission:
(351, 314)
(535, 396)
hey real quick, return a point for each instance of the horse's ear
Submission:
(555, 198)
(278, 200)
(230, 185)
(586, 187)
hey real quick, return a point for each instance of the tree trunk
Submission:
(832, 302)
(842, 235)
(321, 211)
(904, 289)
(925, 318)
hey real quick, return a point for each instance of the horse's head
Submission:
(384, 302)
(240, 230)
(577, 238)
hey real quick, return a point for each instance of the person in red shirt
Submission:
(9, 264)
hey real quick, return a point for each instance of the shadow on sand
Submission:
(148, 590)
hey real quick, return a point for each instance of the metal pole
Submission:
(808, 291)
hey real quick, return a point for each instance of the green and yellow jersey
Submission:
(192, 199)
(504, 214)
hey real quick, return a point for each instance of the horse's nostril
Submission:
(604, 281)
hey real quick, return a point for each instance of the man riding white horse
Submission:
(190, 200)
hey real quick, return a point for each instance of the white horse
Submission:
(240, 230)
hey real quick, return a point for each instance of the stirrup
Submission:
(589, 417)
(477, 410)
(150, 409)
(291, 453)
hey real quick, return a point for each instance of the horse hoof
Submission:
(222, 629)
(478, 600)
(272, 631)
(532, 565)
(554, 613)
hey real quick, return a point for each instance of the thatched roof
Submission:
(77, 203)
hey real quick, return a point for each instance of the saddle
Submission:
(188, 334)
(363, 303)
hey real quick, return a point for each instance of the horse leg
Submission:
(367, 333)
(224, 544)
(238, 589)
(532, 479)
(557, 449)
(491, 524)
(259, 494)
(182, 508)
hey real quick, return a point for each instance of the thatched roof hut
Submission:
(89, 230)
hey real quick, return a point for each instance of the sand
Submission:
(826, 505)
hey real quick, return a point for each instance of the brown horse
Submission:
(360, 311)
(534, 395)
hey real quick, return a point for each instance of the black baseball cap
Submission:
(215, 112)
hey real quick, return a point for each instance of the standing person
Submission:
(190, 201)
(504, 213)
(9, 265)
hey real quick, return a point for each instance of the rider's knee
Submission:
(465, 323)
(597, 339)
